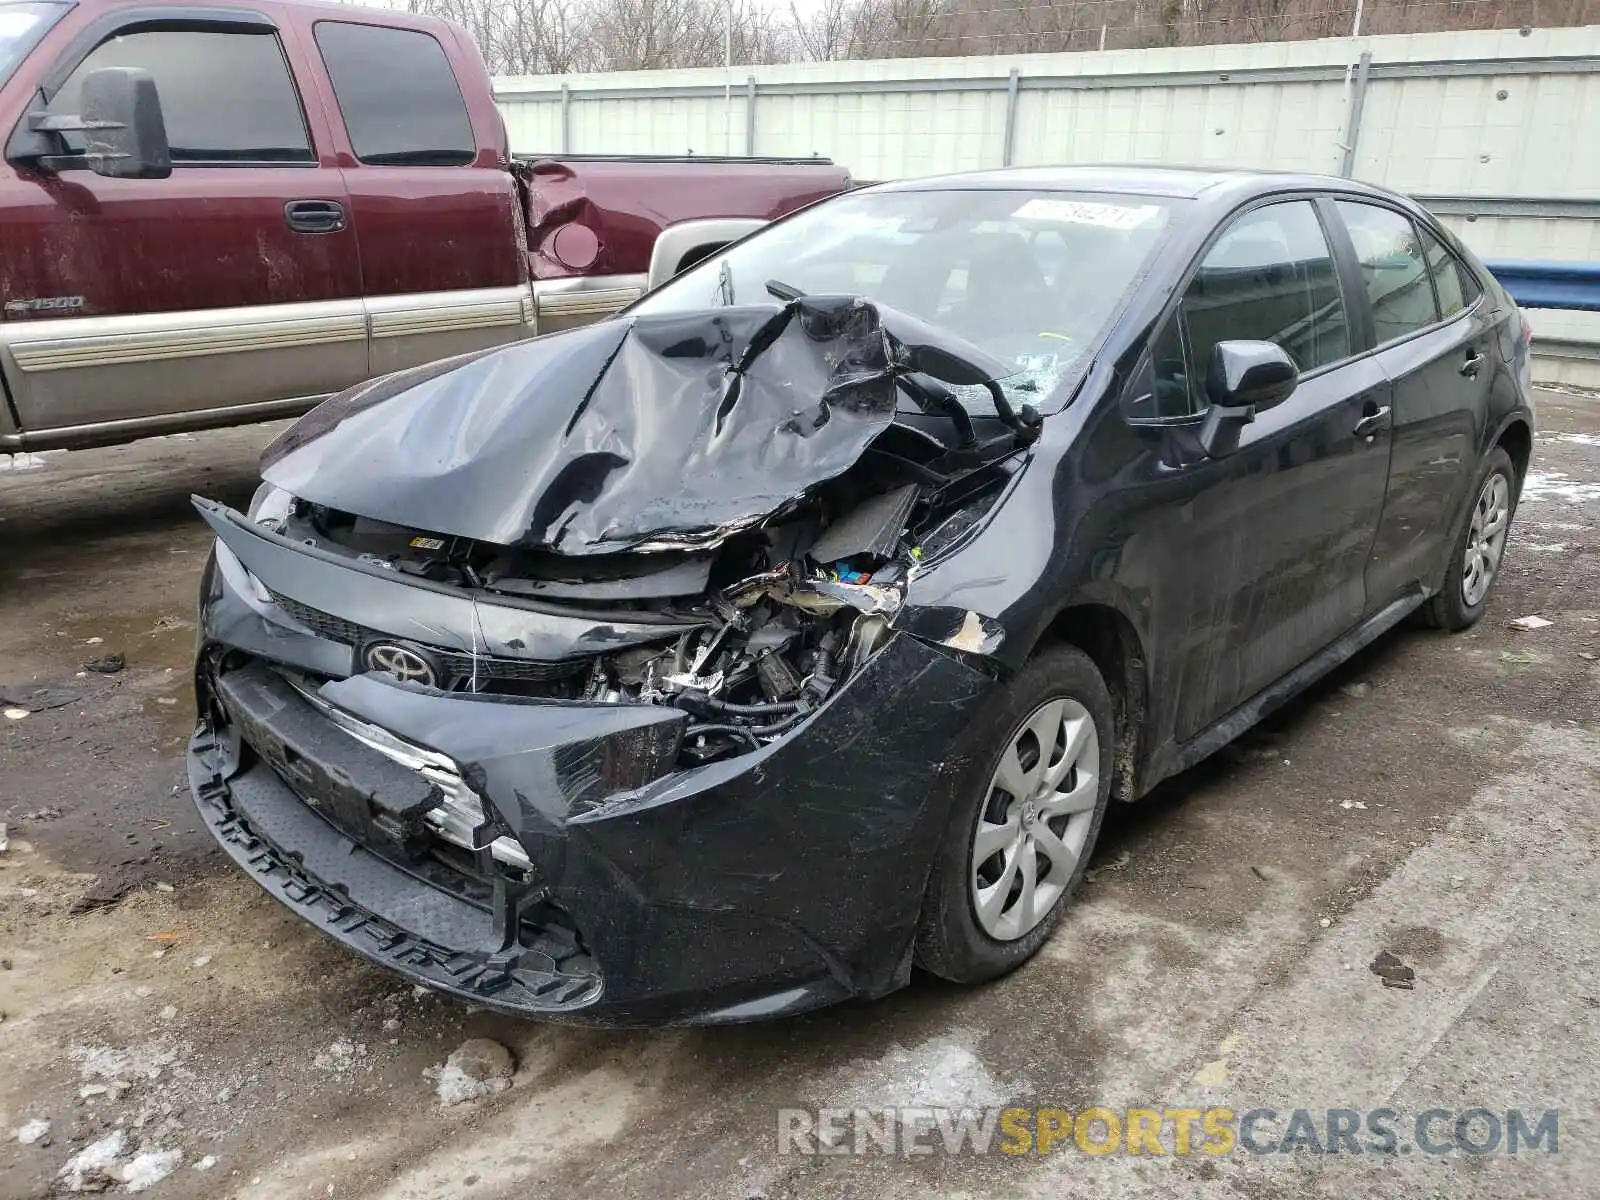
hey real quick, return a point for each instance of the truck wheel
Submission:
(1024, 820)
(1475, 558)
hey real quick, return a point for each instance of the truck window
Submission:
(399, 98)
(227, 97)
(21, 27)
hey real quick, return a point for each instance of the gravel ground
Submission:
(1437, 798)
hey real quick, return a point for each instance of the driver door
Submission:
(209, 289)
(1271, 542)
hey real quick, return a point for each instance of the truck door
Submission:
(232, 285)
(443, 251)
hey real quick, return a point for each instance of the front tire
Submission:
(1024, 822)
(1479, 548)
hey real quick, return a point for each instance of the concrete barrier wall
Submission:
(1496, 131)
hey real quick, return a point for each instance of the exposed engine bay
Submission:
(762, 483)
(757, 631)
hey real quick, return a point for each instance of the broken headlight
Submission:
(271, 507)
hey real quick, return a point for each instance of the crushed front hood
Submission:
(637, 431)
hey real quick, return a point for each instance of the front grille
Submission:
(324, 624)
(519, 670)
(458, 668)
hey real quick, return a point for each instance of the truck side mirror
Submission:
(124, 133)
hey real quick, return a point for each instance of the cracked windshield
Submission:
(1031, 277)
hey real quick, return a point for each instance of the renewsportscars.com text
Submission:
(1018, 1130)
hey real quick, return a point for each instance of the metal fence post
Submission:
(750, 116)
(1358, 99)
(566, 119)
(1012, 82)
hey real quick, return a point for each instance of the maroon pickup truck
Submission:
(221, 212)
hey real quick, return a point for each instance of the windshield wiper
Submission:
(783, 291)
(725, 285)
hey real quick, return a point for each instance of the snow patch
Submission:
(943, 1072)
(93, 1169)
(1557, 487)
(146, 1061)
(22, 462)
(30, 1132)
(149, 1168)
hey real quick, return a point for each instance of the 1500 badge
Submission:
(43, 304)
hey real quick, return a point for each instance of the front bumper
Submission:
(766, 884)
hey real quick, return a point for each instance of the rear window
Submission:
(398, 95)
(1455, 286)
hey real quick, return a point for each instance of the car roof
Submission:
(1135, 179)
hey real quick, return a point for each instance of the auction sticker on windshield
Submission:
(1089, 212)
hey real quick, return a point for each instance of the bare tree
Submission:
(827, 33)
(906, 29)
(556, 36)
(516, 37)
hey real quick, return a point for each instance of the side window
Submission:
(1270, 278)
(1172, 392)
(227, 97)
(399, 98)
(1450, 278)
(1392, 267)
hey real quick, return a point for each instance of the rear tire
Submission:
(1479, 548)
(1035, 794)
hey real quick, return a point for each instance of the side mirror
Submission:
(1243, 379)
(125, 135)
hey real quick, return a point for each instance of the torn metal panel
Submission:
(643, 433)
(955, 628)
(637, 578)
(872, 528)
(636, 430)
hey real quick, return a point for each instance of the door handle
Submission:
(1473, 364)
(314, 216)
(1374, 421)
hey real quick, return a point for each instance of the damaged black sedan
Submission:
(730, 657)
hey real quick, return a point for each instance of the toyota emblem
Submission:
(405, 663)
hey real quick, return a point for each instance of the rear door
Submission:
(443, 251)
(1269, 544)
(1433, 341)
(199, 291)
